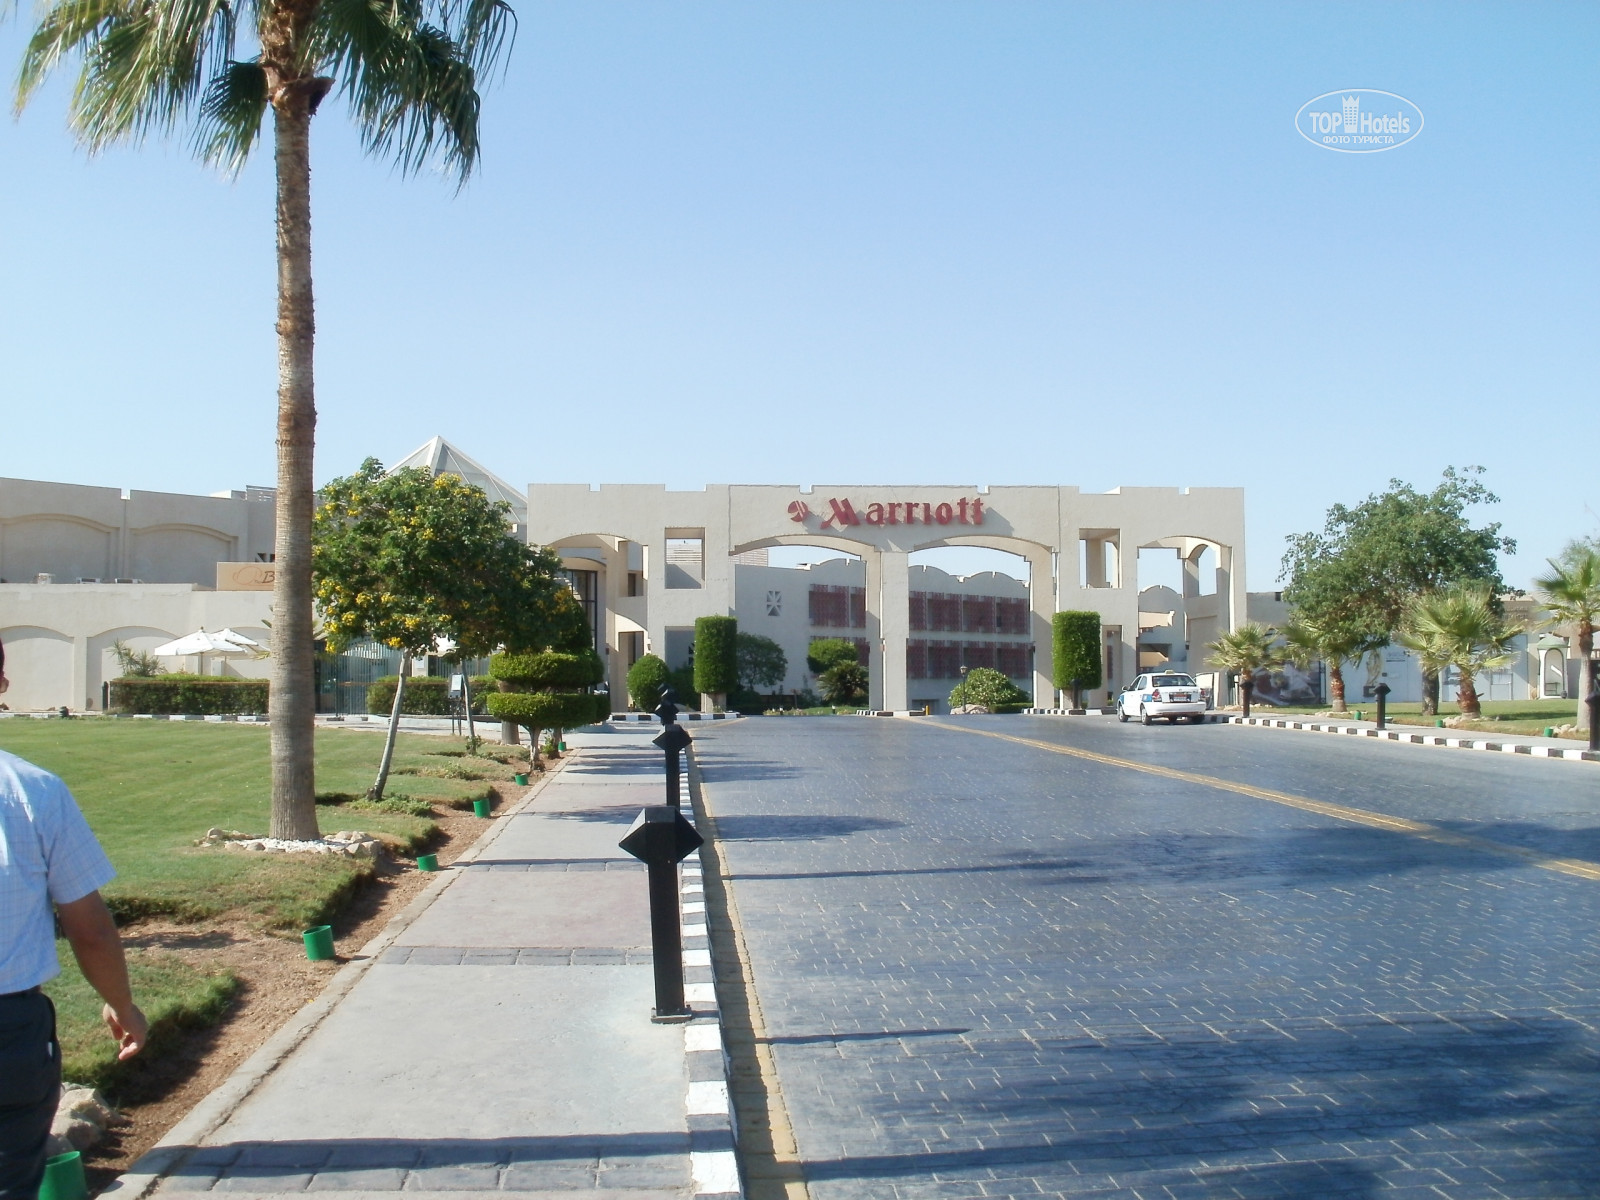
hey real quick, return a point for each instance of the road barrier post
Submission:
(661, 837)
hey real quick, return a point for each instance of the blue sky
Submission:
(986, 243)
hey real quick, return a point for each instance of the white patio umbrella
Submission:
(201, 643)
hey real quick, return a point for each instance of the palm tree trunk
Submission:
(375, 792)
(1467, 697)
(1336, 687)
(1586, 679)
(293, 700)
(1430, 692)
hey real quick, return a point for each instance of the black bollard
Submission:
(674, 739)
(1382, 693)
(661, 838)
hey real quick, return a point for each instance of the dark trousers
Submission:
(30, 1087)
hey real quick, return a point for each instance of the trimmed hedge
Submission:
(716, 655)
(646, 678)
(548, 669)
(1075, 640)
(426, 695)
(550, 710)
(188, 695)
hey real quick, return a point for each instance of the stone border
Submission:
(713, 1157)
(1494, 745)
(652, 719)
(1497, 746)
(214, 1110)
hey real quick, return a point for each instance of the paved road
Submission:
(990, 969)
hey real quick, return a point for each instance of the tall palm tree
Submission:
(1246, 650)
(1459, 626)
(1571, 595)
(409, 71)
(1312, 639)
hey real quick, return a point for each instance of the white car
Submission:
(1166, 694)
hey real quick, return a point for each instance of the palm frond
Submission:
(144, 61)
(231, 115)
(63, 29)
(484, 29)
(412, 86)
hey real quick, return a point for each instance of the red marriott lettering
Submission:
(896, 512)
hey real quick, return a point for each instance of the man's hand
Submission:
(130, 1029)
(97, 946)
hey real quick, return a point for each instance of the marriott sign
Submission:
(907, 512)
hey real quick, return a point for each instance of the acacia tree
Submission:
(411, 559)
(1570, 593)
(409, 71)
(1370, 559)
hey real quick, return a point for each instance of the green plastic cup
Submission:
(319, 943)
(522, 780)
(1438, 723)
(427, 862)
(480, 808)
(64, 1178)
(1549, 731)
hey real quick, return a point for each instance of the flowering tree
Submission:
(410, 559)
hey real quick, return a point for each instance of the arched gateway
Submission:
(653, 560)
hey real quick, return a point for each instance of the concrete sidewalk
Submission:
(496, 1036)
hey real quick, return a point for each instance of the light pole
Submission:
(963, 686)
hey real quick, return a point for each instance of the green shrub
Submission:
(646, 678)
(426, 695)
(189, 695)
(990, 688)
(548, 669)
(1075, 641)
(681, 680)
(716, 655)
(845, 682)
(550, 710)
(826, 653)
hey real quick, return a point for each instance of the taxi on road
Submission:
(1168, 694)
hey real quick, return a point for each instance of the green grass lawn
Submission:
(149, 789)
(173, 995)
(1531, 717)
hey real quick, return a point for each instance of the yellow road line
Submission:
(1358, 816)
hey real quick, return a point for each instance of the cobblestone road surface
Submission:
(988, 969)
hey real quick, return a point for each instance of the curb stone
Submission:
(214, 1110)
(1494, 745)
(713, 1157)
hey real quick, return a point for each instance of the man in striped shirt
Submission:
(51, 869)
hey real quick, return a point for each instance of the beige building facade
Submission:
(658, 559)
(82, 567)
